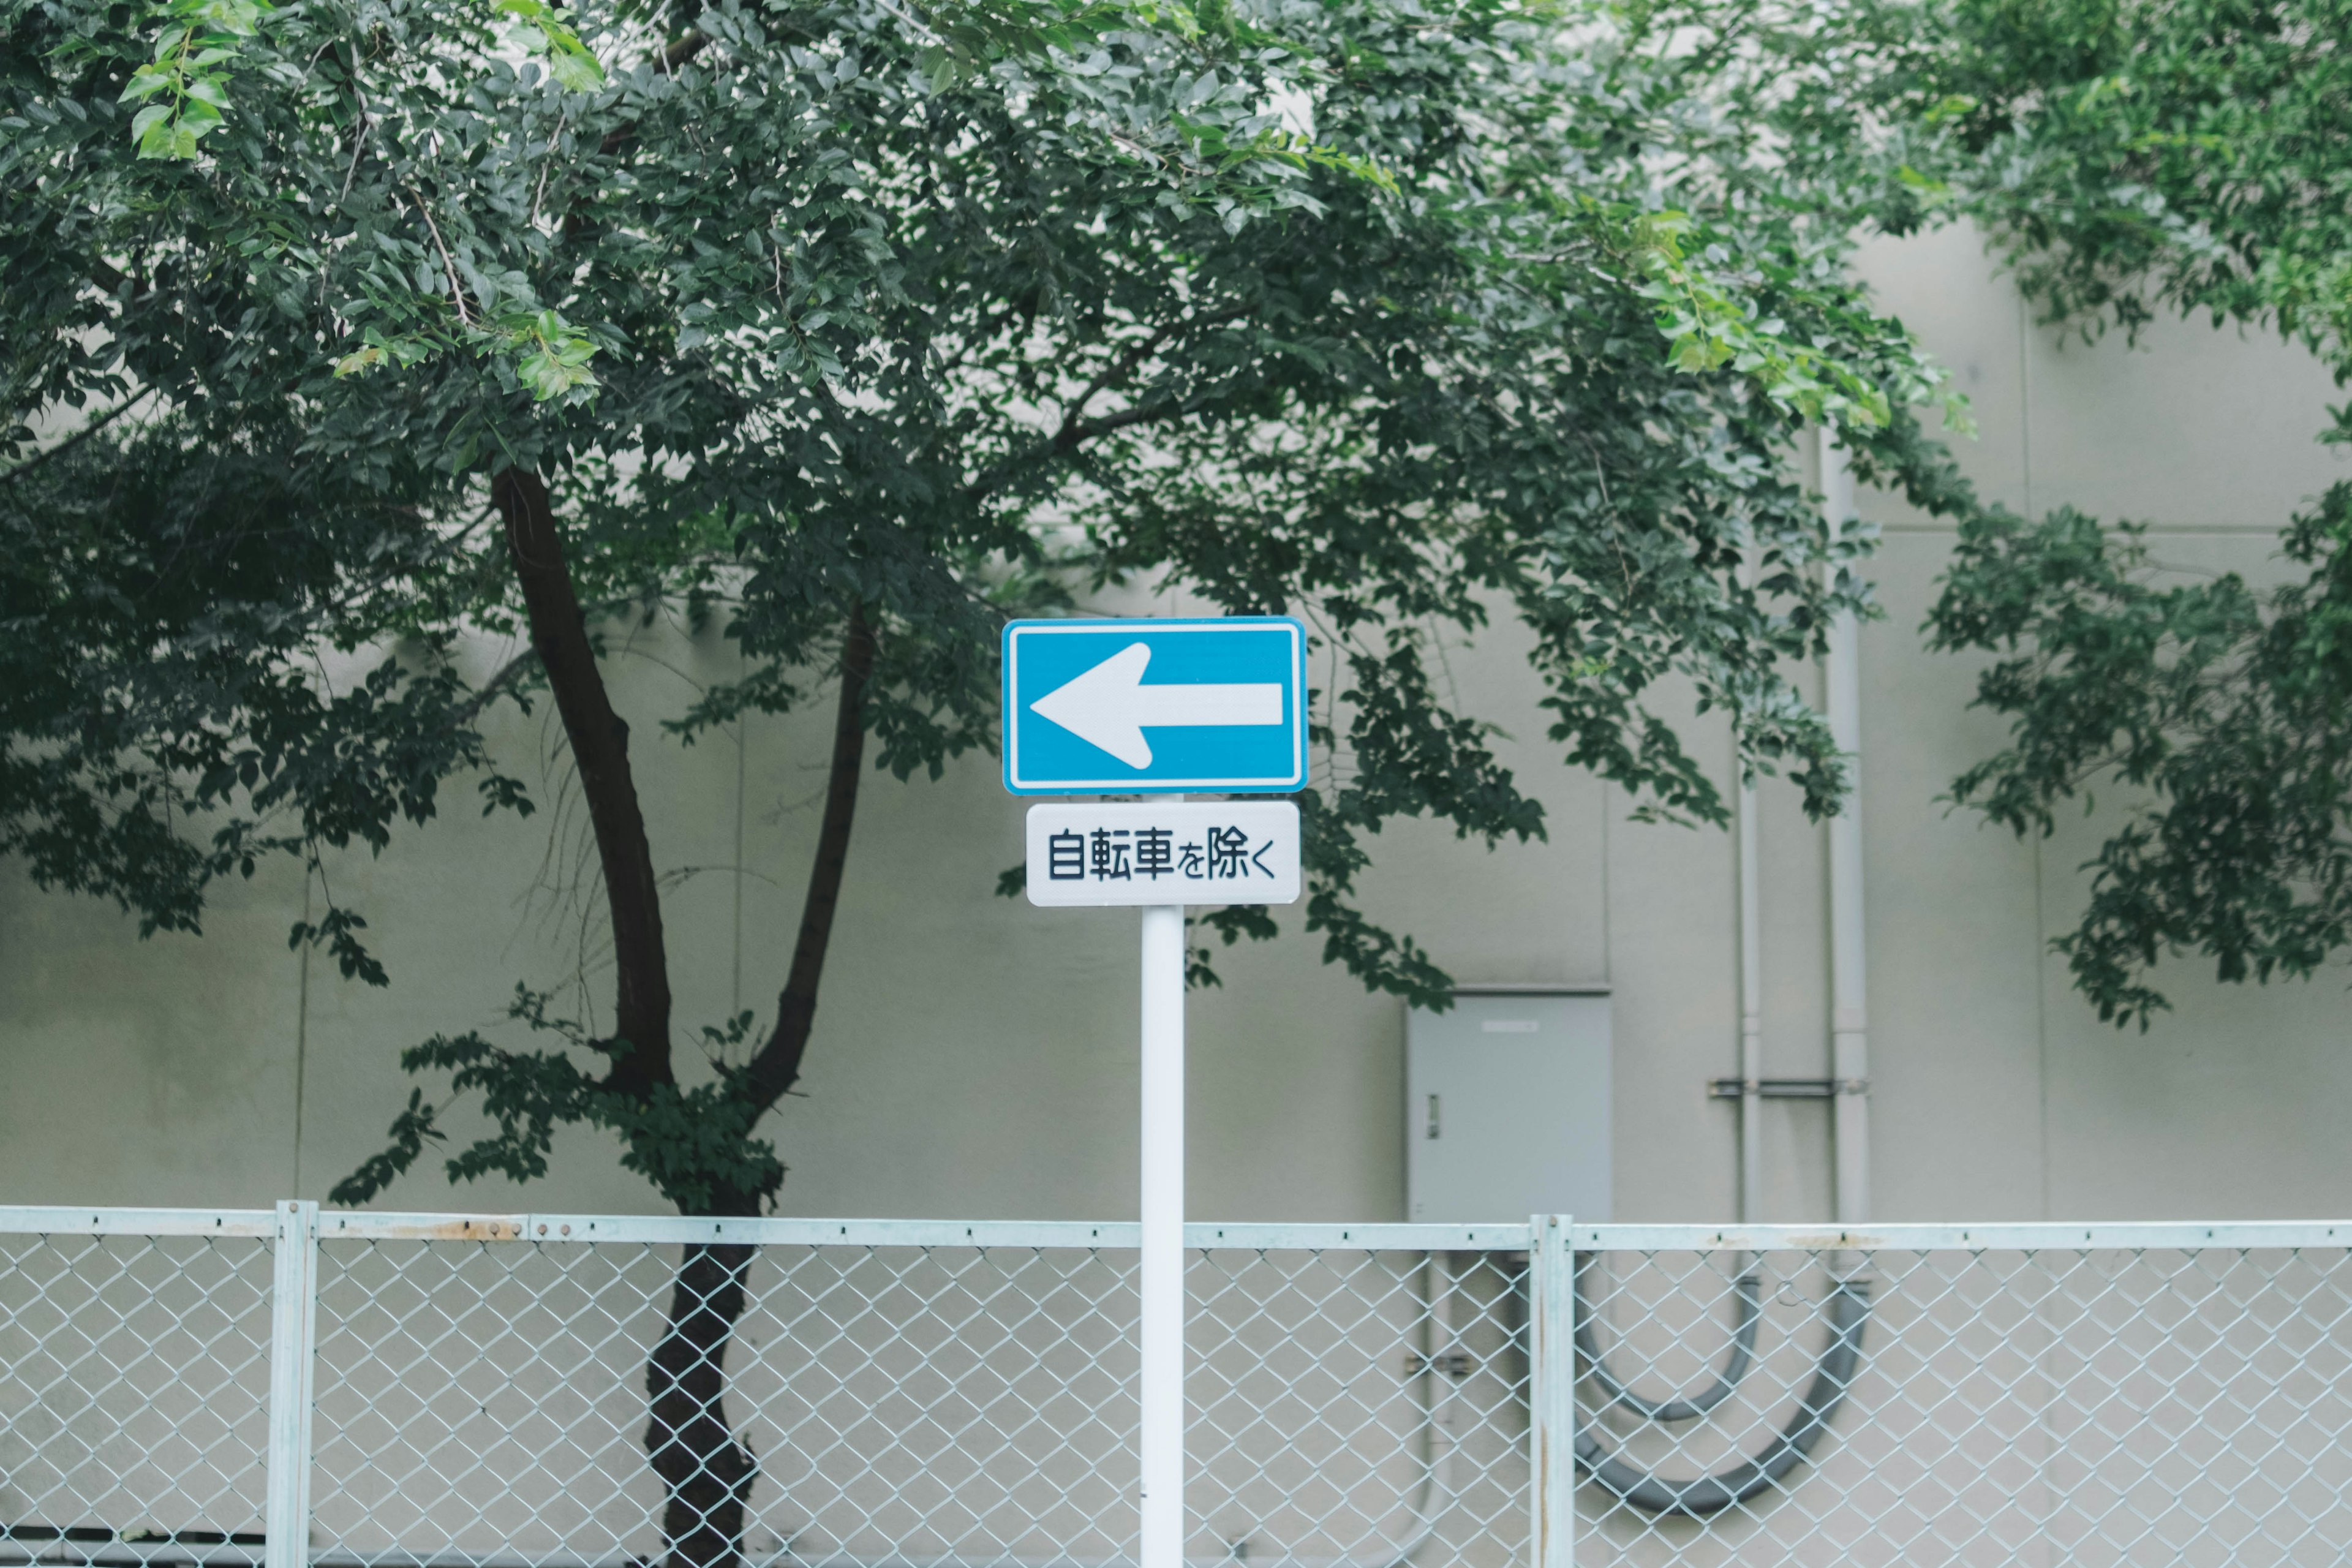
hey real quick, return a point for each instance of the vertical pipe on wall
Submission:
(1751, 1020)
(1751, 1001)
(1848, 1013)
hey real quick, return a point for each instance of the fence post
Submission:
(1551, 1405)
(293, 1322)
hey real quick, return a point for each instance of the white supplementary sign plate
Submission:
(1181, 852)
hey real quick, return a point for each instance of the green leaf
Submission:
(148, 80)
(575, 71)
(162, 137)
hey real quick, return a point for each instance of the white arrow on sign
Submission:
(1108, 706)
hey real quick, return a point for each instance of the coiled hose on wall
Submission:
(1735, 1366)
(1833, 1374)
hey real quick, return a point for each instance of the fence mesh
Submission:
(2083, 1407)
(918, 1405)
(485, 1402)
(134, 1389)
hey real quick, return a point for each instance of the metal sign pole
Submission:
(1161, 1285)
(1159, 708)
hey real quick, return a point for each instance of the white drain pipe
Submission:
(1751, 1002)
(1849, 990)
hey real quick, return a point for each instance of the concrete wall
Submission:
(975, 1056)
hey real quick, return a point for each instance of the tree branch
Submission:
(1058, 447)
(1141, 413)
(508, 674)
(1075, 432)
(1119, 370)
(78, 437)
(778, 1065)
(1073, 429)
(600, 750)
(456, 290)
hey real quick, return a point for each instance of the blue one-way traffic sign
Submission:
(1146, 707)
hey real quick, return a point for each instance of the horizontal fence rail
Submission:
(287, 1388)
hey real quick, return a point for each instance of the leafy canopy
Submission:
(2130, 158)
(859, 328)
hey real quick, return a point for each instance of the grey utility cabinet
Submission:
(1506, 1106)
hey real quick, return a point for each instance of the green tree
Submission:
(861, 327)
(2132, 158)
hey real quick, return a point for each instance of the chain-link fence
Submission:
(2040, 1394)
(134, 1385)
(369, 1391)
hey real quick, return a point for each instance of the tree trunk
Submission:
(600, 750)
(708, 1473)
(707, 1470)
(778, 1065)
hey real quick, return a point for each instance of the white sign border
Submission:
(1294, 678)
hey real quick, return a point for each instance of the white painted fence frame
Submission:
(294, 1231)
